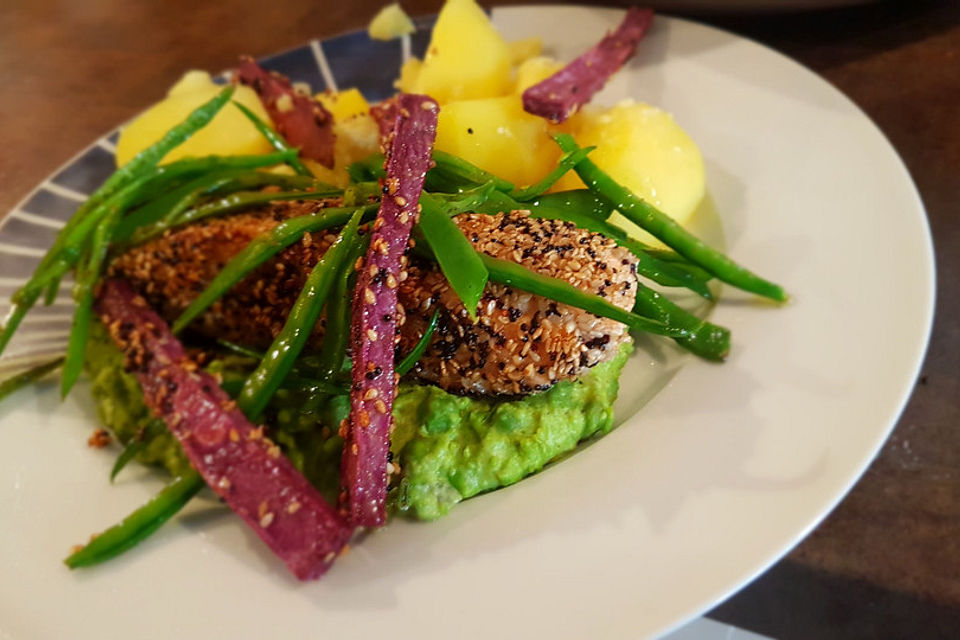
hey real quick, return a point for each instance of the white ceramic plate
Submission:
(720, 474)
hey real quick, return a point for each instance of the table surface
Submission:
(886, 562)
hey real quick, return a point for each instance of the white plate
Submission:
(720, 474)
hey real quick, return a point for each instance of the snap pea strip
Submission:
(651, 219)
(459, 262)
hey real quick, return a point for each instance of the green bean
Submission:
(87, 278)
(336, 333)
(567, 162)
(227, 204)
(459, 169)
(146, 159)
(19, 381)
(458, 260)
(515, 275)
(468, 200)
(239, 349)
(568, 208)
(274, 138)
(51, 268)
(294, 379)
(370, 168)
(706, 339)
(139, 524)
(667, 230)
(138, 443)
(172, 204)
(259, 251)
(288, 344)
(411, 359)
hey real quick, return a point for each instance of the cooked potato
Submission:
(496, 134)
(229, 133)
(466, 58)
(643, 148)
(357, 137)
(391, 22)
(534, 70)
(344, 104)
(523, 50)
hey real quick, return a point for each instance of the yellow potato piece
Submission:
(344, 104)
(466, 58)
(533, 71)
(496, 134)
(409, 72)
(644, 149)
(522, 50)
(357, 137)
(390, 22)
(229, 133)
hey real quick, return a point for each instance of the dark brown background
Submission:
(886, 563)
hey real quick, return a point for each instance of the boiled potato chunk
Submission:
(466, 58)
(522, 50)
(344, 104)
(496, 134)
(644, 149)
(357, 137)
(229, 133)
(534, 71)
(391, 22)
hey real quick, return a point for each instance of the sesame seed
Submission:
(266, 520)
(369, 296)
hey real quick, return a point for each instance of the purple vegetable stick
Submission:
(236, 460)
(363, 470)
(560, 95)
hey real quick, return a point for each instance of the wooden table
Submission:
(886, 563)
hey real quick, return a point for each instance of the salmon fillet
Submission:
(519, 343)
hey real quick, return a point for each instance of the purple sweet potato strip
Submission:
(363, 471)
(300, 119)
(235, 459)
(560, 95)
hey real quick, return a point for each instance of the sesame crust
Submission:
(519, 343)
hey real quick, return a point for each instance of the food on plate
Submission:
(333, 312)
(229, 134)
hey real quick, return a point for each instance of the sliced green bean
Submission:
(266, 379)
(262, 249)
(412, 358)
(274, 138)
(567, 162)
(139, 524)
(515, 275)
(15, 383)
(667, 230)
(458, 260)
